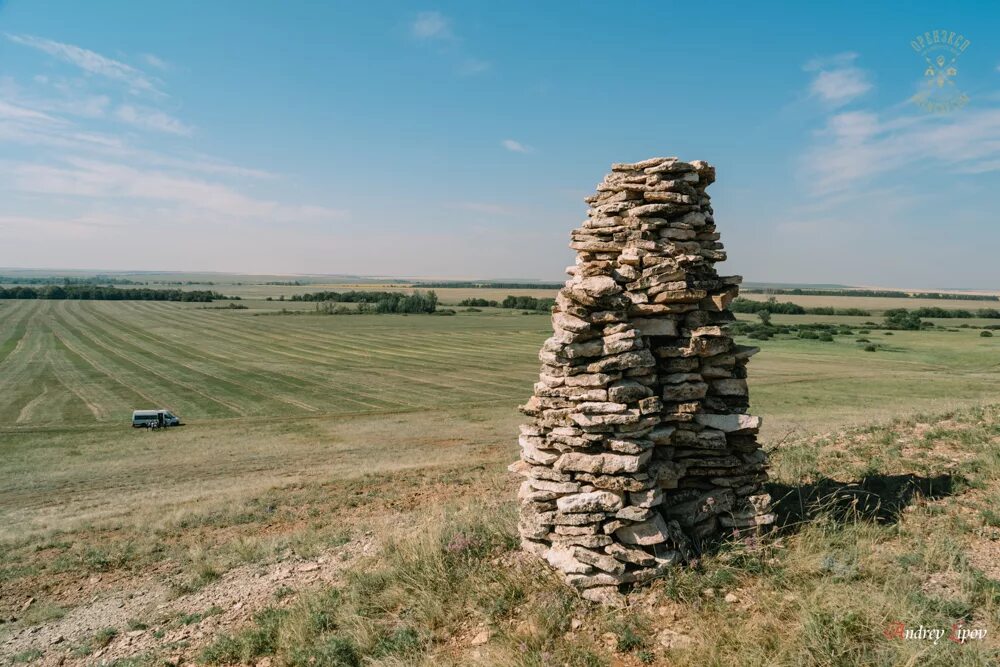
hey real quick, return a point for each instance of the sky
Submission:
(458, 139)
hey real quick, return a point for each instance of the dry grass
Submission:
(817, 593)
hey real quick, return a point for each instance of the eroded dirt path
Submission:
(176, 627)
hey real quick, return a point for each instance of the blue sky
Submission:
(457, 139)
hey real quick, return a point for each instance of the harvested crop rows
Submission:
(75, 362)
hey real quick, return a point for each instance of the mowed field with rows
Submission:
(74, 363)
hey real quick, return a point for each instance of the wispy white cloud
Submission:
(155, 61)
(81, 177)
(516, 146)
(87, 174)
(837, 81)
(855, 147)
(28, 127)
(431, 26)
(55, 97)
(151, 119)
(13, 112)
(92, 62)
(435, 30)
(17, 227)
(855, 151)
(840, 86)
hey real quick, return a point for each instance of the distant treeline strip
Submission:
(797, 291)
(516, 302)
(66, 280)
(788, 308)
(105, 293)
(960, 313)
(776, 307)
(489, 285)
(378, 302)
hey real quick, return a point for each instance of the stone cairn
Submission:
(639, 448)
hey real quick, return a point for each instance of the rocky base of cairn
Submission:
(639, 447)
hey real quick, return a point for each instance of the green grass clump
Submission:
(29, 656)
(331, 652)
(261, 639)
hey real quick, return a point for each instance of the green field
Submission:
(82, 364)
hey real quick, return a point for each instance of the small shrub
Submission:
(632, 636)
(258, 640)
(862, 340)
(42, 612)
(191, 619)
(29, 656)
(104, 637)
(826, 337)
(887, 333)
(986, 334)
(114, 557)
(334, 652)
(871, 348)
(810, 335)
(402, 641)
(864, 331)
(473, 310)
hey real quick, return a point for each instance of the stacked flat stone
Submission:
(639, 447)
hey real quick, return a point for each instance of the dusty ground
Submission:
(178, 627)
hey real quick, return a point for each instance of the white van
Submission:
(154, 418)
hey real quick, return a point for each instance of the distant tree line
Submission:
(490, 285)
(895, 294)
(107, 293)
(776, 307)
(377, 302)
(66, 280)
(179, 282)
(961, 313)
(480, 303)
(516, 302)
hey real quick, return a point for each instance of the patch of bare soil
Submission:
(177, 627)
(946, 585)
